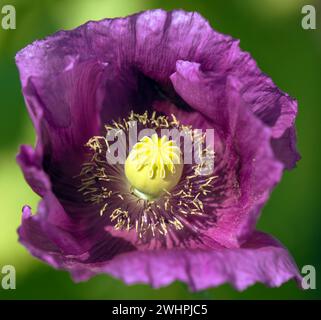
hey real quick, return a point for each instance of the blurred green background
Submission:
(271, 31)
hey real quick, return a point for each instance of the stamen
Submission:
(151, 195)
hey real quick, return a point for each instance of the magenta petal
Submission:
(277, 110)
(31, 167)
(56, 243)
(253, 169)
(64, 105)
(260, 259)
(176, 35)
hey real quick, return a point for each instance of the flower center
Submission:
(152, 207)
(153, 166)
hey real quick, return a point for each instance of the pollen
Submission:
(154, 166)
(153, 193)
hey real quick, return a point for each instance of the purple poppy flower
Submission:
(78, 84)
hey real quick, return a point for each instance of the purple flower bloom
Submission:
(75, 82)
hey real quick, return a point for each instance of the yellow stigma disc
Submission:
(153, 166)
